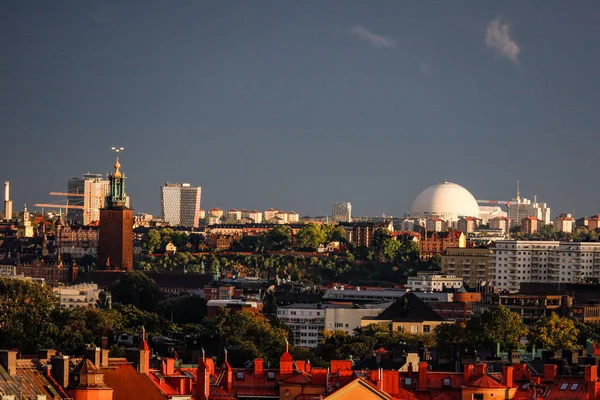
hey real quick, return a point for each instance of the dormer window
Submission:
(240, 375)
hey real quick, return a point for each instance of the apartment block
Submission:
(472, 265)
(564, 223)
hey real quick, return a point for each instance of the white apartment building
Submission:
(89, 192)
(516, 261)
(427, 282)
(81, 295)
(435, 225)
(180, 204)
(293, 217)
(527, 208)
(308, 321)
(255, 216)
(234, 214)
(270, 214)
(341, 212)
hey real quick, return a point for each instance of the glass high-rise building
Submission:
(341, 212)
(180, 204)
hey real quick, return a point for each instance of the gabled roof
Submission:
(86, 366)
(128, 383)
(409, 308)
(486, 382)
(357, 389)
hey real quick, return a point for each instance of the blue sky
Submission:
(295, 105)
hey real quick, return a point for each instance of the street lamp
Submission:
(117, 149)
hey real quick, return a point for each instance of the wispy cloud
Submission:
(497, 38)
(374, 39)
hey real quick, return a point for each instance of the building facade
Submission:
(472, 265)
(115, 243)
(341, 212)
(564, 223)
(90, 193)
(431, 282)
(180, 204)
(514, 262)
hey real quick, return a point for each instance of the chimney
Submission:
(229, 376)
(550, 372)
(60, 370)
(203, 380)
(93, 354)
(104, 342)
(139, 357)
(409, 370)
(480, 370)
(169, 366)
(507, 376)
(468, 373)
(8, 359)
(423, 367)
(45, 354)
(591, 373)
(104, 357)
(594, 390)
(259, 366)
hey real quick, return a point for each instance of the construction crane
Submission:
(498, 202)
(66, 194)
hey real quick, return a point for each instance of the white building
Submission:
(180, 204)
(527, 208)
(81, 295)
(308, 321)
(270, 214)
(293, 217)
(339, 293)
(447, 201)
(427, 282)
(234, 214)
(341, 212)
(515, 261)
(91, 193)
(255, 216)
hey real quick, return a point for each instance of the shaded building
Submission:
(180, 204)
(115, 244)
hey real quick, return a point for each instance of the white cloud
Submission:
(497, 38)
(373, 38)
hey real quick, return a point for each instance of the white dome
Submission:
(447, 200)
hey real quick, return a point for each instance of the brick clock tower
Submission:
(115, 242)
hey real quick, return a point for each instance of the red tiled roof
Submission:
(128, 383)
(486, 382)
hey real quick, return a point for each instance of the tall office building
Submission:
(180, 204)
(7, 202)
(341, 212)
(92, 190)
(115, 242)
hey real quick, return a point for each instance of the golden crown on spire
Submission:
(117, 173)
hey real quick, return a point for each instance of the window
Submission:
(240, 375)
(447, 382)
(574, 386)
(426, 328)
(407, 381)
(478, 396)
(271, 375)
(564, 386)
(414, 328)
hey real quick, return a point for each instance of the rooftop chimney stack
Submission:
(60, 370)
(8, 359)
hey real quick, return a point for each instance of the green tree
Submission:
(310, 236)
(248, 329)
(278, 238)
(151, 241)
(436, 262)
(390, 249)
(26, 315)
(184, 309)
(81, 325)
(270, 303)
(136, 288)
(499, 325)
(135, 319)
(450, 335)
(554, 333)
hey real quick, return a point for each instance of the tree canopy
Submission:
(135, 288)
(554, 333)
(499, 325)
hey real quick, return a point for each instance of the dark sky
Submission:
(296, 105)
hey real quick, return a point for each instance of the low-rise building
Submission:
(433, 243)
(361, 233)
(80, 295)
(468, 224)
(564, 223)
(502, 223)
(531, 225)
(432, 282)
(308, 321)
(214, 307)
(410, 314)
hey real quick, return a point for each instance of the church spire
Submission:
(117, 198)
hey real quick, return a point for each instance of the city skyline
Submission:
(297, 106)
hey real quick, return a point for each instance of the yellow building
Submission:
(472, 265)
(408, 313)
